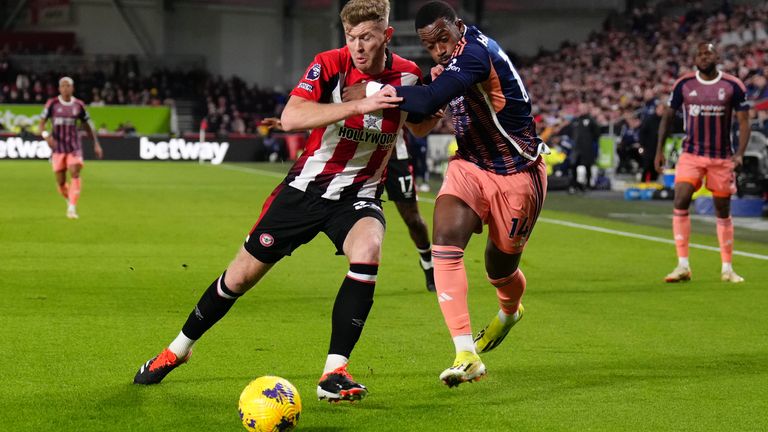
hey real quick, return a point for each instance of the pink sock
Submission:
(74, 191)
(510, 290)
(451, 283)
(681, 228)
(725, 237)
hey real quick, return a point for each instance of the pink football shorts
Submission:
(61, 161)
(508, 204)
(693, 169)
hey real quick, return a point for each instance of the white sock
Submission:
(503, 318)
(181, 346)
(464, 343)
(71, 207)
(727, 267)
(426, 265)
(333, 362)
(683, 262)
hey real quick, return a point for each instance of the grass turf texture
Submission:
(605, 344)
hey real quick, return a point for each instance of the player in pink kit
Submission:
(708, 97)
(497, 177)
(64, 112)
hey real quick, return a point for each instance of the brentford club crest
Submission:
(266, 240)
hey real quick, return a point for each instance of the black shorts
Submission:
(399, 182)
(291, 218)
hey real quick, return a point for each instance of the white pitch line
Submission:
(644, 237)
(548, 220)
(252, 170)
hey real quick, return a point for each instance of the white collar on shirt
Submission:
(710, 82)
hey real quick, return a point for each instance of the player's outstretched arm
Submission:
(44, 133)
(301, 114)
(417, 124)
(744, 132)
(96, 146)
(666, 121)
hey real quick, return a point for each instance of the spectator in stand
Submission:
(585, 133)
(628, 148)
(649, 136)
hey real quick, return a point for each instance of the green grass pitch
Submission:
(605, 344)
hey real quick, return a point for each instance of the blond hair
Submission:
(357, 11)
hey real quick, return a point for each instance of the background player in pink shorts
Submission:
(65, 111)
(708, 97)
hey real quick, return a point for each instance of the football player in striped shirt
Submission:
(333, 188)
(708, 98)
(65, 112)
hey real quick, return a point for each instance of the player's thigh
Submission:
(59, 162)
(683, 195)
(515, 201)
(454, 222)
(409, 212)
(289, 219)
(74, 163)
(61, 176)
(356, 228)
(245, 271)
(399, 182)
(461, 207)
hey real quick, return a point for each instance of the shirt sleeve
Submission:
(314, 80)
(470, 67)
(83, 115)
(47, 110)
(740, 102)
(676, 98)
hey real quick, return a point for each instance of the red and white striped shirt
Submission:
(64, 117)
(347, 159)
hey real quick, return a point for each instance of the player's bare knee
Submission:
(722, 207)
(368, 251)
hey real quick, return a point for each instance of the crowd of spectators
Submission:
(619, 74)
(627, 68)
(228, 106)
(622, 74)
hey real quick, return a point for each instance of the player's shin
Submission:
(353, 303)
(681, 228)
(725, 238)
(452, 286)
(74, 190)
(509, 291)
(212, 306)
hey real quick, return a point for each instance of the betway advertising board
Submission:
(145, 148)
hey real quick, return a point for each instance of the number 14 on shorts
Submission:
(519, 228)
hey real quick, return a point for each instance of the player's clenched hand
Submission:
(659, 163)
(51, 143)
(439, 114)
(98, 151)
(737, 161)
(384, 98)
(436, 71)
(353, 92)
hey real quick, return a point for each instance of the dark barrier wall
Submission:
(146, 148)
